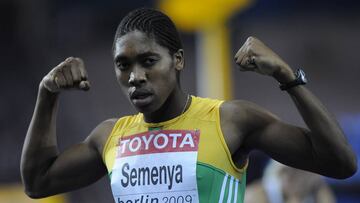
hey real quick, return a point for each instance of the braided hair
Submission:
(153, 23)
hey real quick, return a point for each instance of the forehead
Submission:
(135, 43)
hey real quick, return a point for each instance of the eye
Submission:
(122, 65)
(147, 62)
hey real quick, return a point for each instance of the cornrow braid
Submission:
(153, 23)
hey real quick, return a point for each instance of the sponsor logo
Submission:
(159, 142)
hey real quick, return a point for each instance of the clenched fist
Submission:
(256, 56)
(68, 74)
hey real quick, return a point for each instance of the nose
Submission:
(137, 76)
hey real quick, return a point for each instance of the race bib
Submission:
(156, 167)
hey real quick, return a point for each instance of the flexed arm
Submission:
(44, 170)
(322, 148)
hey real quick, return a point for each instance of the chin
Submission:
(145, 109)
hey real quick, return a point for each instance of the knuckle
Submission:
(70, 62)
(69, 58)
(47, 79)
(61, 67)
(57, 68)
(79, 60)
(66, 68)
(252, 38)
(250, 49)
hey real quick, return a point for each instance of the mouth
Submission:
(141, 97)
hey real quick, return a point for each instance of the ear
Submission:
(179, 59)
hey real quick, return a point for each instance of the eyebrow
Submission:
(141, 55)
(145, 54)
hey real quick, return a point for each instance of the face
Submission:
(145, 70)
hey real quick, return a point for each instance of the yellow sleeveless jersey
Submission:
(182, 160)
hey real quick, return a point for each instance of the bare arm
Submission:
(322, 148)
(44, 170)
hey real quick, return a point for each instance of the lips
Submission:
(141, 97)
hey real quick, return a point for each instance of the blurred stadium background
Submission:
(320, 36)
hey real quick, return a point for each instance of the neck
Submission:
(172, 107)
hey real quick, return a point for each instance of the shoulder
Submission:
(245, 112)
(243, 106)
(98, 136)
(233, 110)
(102, 131)
(105, 126)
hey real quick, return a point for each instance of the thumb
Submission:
(84, 85)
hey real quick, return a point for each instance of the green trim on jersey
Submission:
(215, 185)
